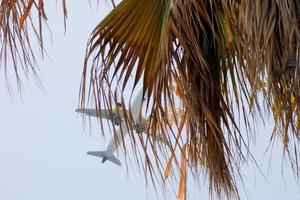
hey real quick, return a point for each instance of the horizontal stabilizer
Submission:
(113, 159)
(102, 155)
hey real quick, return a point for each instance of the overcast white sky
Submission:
(43, 144)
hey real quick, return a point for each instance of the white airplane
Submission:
(121, 131)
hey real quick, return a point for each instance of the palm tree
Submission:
(222, 55)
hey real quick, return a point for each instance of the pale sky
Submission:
(43, 142)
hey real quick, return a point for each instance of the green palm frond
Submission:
(135, 31)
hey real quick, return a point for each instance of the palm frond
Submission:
(22, 21)
(15, 22)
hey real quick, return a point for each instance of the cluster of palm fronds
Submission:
(221, 54)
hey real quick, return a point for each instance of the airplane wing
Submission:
(104, 114)
(87, 111)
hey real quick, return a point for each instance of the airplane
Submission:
(121, 131)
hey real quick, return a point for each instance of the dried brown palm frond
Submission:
(17, 26)
(22, 21)
(272, 35)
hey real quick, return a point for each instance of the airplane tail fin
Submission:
(102, 154)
